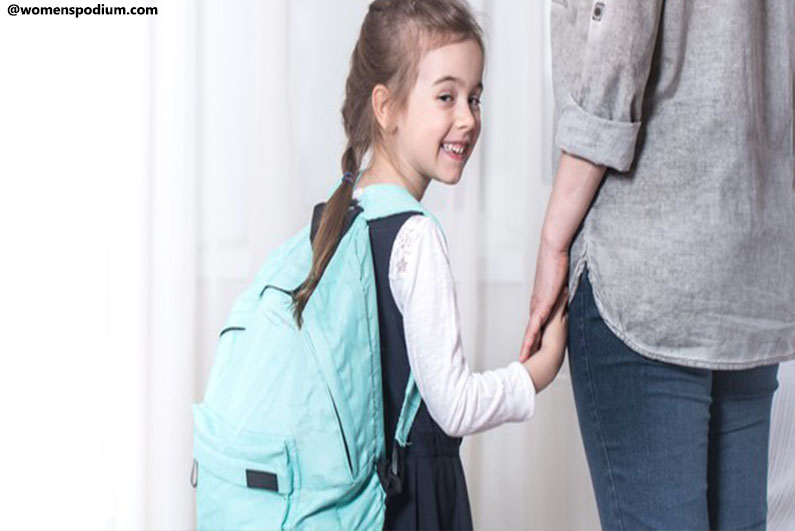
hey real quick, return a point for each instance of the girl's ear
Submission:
(382, 108)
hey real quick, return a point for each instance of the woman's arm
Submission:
(598, 125)
(575, 186)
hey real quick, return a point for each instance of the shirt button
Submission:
(598, 11)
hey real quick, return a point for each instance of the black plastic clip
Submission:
(390, 471)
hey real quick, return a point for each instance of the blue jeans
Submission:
(668, 447)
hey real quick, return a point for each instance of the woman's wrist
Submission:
(555, 238)
(575, 185)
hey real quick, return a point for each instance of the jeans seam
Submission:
(595, 413)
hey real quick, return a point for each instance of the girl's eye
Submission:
(474, 101)
(446, 98)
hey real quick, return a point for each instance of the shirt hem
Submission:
(654, 354)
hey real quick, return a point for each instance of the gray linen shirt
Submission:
(690, 242)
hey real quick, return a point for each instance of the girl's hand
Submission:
(544, 364)
(552, 271)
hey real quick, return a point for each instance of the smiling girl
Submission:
(413, 102)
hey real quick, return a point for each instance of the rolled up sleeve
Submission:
(601, 117)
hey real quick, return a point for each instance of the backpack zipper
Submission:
(230, 329)
(277, 288)
(342, 432)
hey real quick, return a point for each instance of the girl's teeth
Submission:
(458, 150)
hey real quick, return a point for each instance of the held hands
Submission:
(576, 183)
(544, 364)
(552, 270)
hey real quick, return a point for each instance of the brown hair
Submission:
(392, 40)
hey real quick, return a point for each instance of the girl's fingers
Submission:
(541, 313)
(555, 328)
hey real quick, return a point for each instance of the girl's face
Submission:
(436, 132)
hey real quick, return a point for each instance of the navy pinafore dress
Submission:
(434, 493)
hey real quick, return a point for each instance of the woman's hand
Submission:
(545, 363)
(552, 270)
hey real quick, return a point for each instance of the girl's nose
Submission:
(466, 118)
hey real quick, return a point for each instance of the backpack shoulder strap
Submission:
(382, 200)
(390, 469)
(379, 201)
(411, 404)
(317, 213)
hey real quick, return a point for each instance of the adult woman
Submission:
(674, 204)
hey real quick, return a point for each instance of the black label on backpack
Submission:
(256, 479)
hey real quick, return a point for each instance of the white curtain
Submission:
(74, 159)
(781, 467)
(150, 164)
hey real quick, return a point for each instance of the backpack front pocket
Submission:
(243, 480)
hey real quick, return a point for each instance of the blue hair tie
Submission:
(349, 177)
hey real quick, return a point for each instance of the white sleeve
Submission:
(460, 401)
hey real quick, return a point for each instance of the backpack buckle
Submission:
(390, 471)
(194, 474)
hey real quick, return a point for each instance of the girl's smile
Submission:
(458, 151)
(433, 136)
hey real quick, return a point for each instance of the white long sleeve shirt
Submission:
(460, 401)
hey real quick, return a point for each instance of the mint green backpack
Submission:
(291, 430)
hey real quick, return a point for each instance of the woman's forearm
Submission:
(576, 183)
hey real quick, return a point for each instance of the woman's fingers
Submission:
(555, 317)
(550, 278)
(531, 335)
(540, 311)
